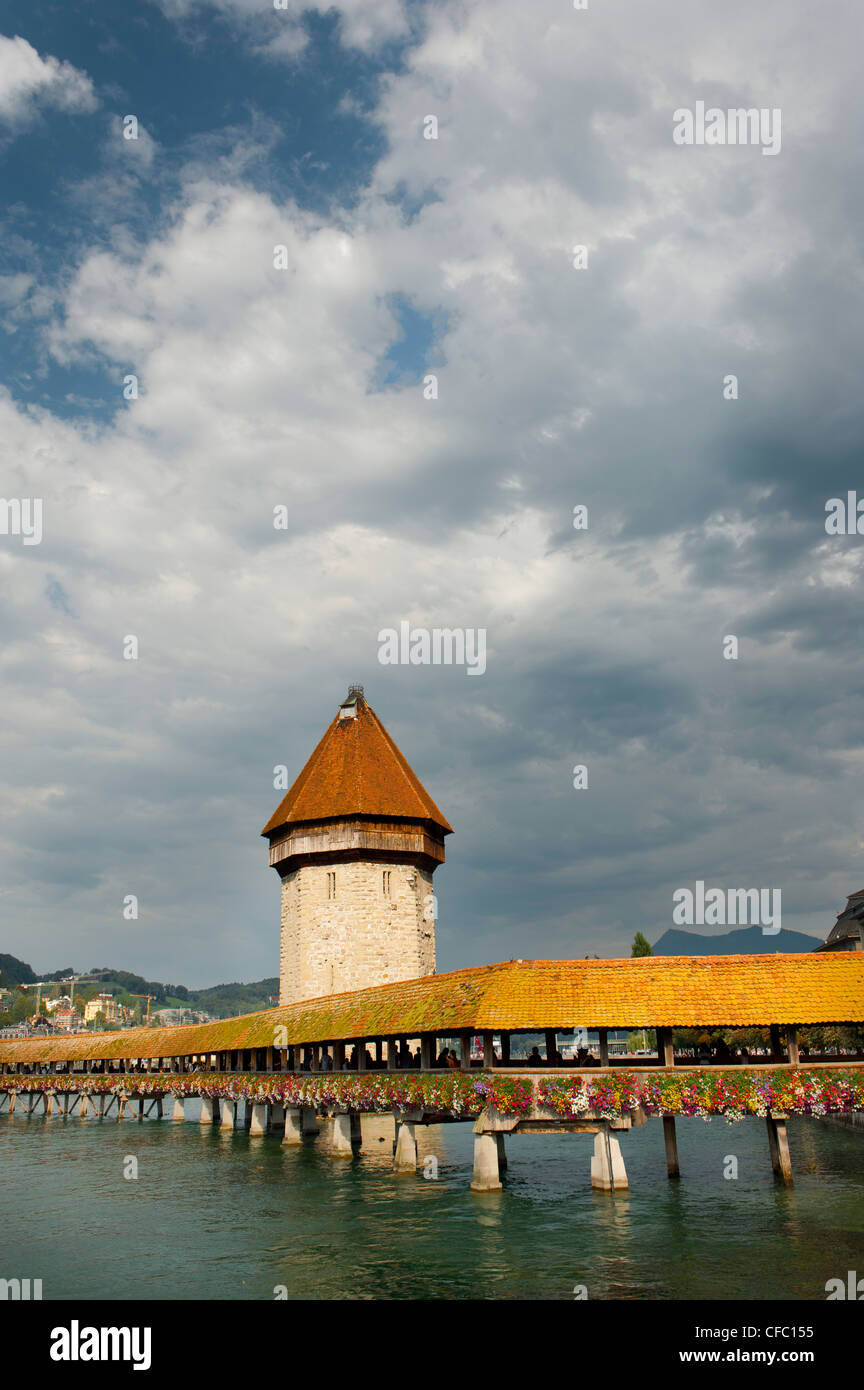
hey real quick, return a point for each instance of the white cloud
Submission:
(257, 389)
(28, 82)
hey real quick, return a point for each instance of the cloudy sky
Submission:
(302, 388)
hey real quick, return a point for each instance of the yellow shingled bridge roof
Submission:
(647, 992)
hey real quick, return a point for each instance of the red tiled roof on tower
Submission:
(356, 770)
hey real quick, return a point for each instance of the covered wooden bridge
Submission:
(379, 1049)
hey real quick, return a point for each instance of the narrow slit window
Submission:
(331, 885)
(386, 883)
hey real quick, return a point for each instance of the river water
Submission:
(218, 1215)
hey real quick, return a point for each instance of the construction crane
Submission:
(39, 985)
(148, 997)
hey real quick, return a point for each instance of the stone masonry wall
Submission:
(358, 938)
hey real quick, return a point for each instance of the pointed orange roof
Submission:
(356, 770)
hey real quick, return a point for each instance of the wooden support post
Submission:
(671, 1140)
(338, 1055)
(379, 1051)
(792, 1045)
(268, 1054)
(603, 1034)
(778, 1144)
(550, 1047)
(465, 1049)
(427, 1061)
(776, 1049)
(360, 1054)
(665, 1052)
(392, 1054)
(488, 1050)
(505, 1048)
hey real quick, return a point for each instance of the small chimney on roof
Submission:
(348, 707)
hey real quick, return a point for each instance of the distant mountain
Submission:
(745, 941)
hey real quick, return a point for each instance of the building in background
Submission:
(846, 933)
(113, 1013)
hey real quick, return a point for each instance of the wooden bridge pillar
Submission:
(778, 1144)
(603, 1035)
(671, 1140)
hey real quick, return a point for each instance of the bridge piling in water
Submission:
(259, 1122)
(487, 1175)
(340, 1135)
(608, 1173)
(228, 1114)
(405, 1155)
(778, 1145)
(670, 1139)
(293, 1128)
